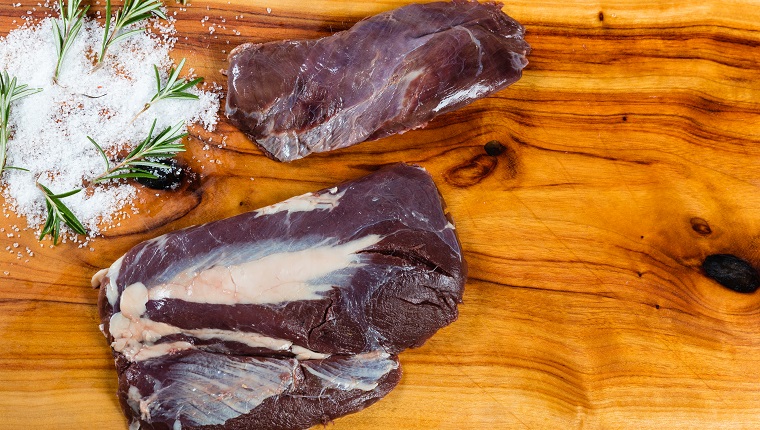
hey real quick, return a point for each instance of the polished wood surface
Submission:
(633, 152)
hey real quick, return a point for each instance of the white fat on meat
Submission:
(221, 388)
(357, 372)
(112, 290)
(279, 277)
(273, 278)
(462, 95)
(98, 278)
(135, 336)
(304, 203)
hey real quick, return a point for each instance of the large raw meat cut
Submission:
(287, 316)
(388, 74)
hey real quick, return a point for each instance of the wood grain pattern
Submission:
(633, 152)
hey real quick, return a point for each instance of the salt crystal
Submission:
(50, 128)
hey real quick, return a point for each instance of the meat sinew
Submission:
(388, 74)
(287, 316)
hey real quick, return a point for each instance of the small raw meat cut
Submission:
(388, 74)
(285, 317)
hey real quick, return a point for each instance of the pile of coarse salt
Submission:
(50, 128)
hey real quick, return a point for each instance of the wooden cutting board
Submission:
(633, 152)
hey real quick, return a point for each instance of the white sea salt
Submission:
(50, 128)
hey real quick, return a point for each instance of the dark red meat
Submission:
(388, 74)
(284, 317)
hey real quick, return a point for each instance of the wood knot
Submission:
(700, 226)
(471, 172)
(601, 16)
(176, 175)
(731, 272)
(479, 167)
(494, 148)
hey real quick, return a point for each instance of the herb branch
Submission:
(65, 33)
(131, 12)
(10, 91)
(58, 213)
(162, 146)
(175, 88)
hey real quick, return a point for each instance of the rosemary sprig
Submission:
(66, 32)
(175, 88)
(163, 145)
(10, 91)
(57, 212)
(156, 147)
(131, 12)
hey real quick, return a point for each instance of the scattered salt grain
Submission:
(50, 128)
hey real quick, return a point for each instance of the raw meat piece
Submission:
(287, 316)
(388, 74)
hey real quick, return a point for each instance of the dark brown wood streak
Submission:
(631, 154)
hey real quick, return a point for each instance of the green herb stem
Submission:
(175, 88)
(133, 11)
(10, 91)
(57, 213)
(65, 33)
(145, 155)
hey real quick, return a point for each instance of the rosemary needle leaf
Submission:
(134, 174)
(65, 32)
(133, 11)
(126, 34)
(151, 164)
(175, 88)
(102, 153)
(16, 168)
(10, 91)
(57, 213)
